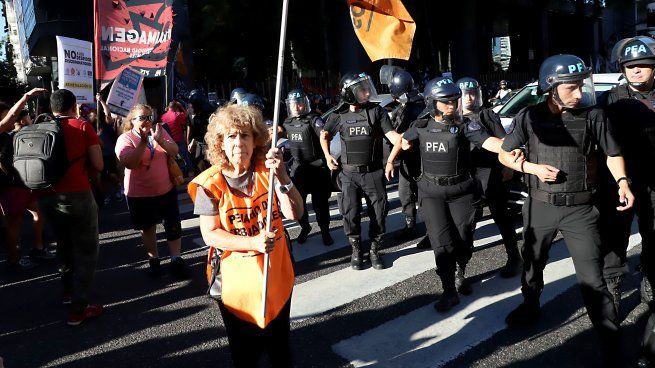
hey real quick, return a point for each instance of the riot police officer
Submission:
(489, 172)
(362, 127)
(201, 112)
(309, 171)
(447, 191)
(407, 106)
(562, 135)
(630, 110)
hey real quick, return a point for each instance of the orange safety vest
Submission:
(242, 273)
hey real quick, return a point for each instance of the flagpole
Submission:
(276, 119)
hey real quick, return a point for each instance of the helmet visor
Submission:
(237, 98)
(471, 99)
(364, 90)
(576, 94)
(298, 106)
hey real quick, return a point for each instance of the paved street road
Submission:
(340, 317)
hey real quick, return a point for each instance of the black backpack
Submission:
(40, 152)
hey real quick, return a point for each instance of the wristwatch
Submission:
(624, 178)
(284, 189)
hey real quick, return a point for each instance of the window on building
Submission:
(501, 52)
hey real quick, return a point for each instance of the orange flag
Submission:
(384, 27)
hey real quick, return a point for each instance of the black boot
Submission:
(614, 287)
(356, 258)
(304, 232)
(526, 313)
(374, 255)
(447, 301)
(449, 298)
(409, 231)
(461, 282)
(327, 238)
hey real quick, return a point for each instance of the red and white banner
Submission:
(135, 33)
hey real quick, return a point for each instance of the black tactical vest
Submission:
(635, 124)
(304, 143)
(444, 149)
(361, 142)
(567, 146)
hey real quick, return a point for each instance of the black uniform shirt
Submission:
(378, 114)
(632, 121)
(473, 131)
(526, 118)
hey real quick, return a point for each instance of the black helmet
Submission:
(470, 87)
(401, 83)
(440, 89)
(633, 51)
(237, 94)
(295, 99)
(198, 98)
(566, 68)
(357, 88)
(503, 83)
(468, 84)
(563, 68)
(251, 99)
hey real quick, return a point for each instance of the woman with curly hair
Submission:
(231, 198)
(143, 149)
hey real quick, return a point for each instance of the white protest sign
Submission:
(124, 93)
(75, 64)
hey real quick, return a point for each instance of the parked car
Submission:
(527, 96)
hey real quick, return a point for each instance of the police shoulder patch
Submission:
(473, 126)
(454, 129)
(319, 123)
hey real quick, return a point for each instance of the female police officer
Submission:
(446, 189)
(489, 172)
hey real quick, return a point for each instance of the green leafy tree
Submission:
(10, 88)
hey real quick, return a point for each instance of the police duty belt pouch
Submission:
(40, 153)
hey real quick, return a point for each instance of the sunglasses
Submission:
(143, 118)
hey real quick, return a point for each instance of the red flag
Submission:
(384, 27)
(134, 33)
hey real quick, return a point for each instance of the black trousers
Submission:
(248, 342)
(354, 187)
(407, 192)
(579, 226)
(495, 194)
(315, 181)
(449, 217)
(614, 230)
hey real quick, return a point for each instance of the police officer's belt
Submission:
(360, 168)
(562, 199)
(448, 180)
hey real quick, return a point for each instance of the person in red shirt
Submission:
(70, 208)
(175, 120)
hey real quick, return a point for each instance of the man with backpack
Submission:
(67, 201)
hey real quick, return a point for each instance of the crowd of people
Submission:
(585, 165)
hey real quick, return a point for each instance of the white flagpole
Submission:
(276, 120)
